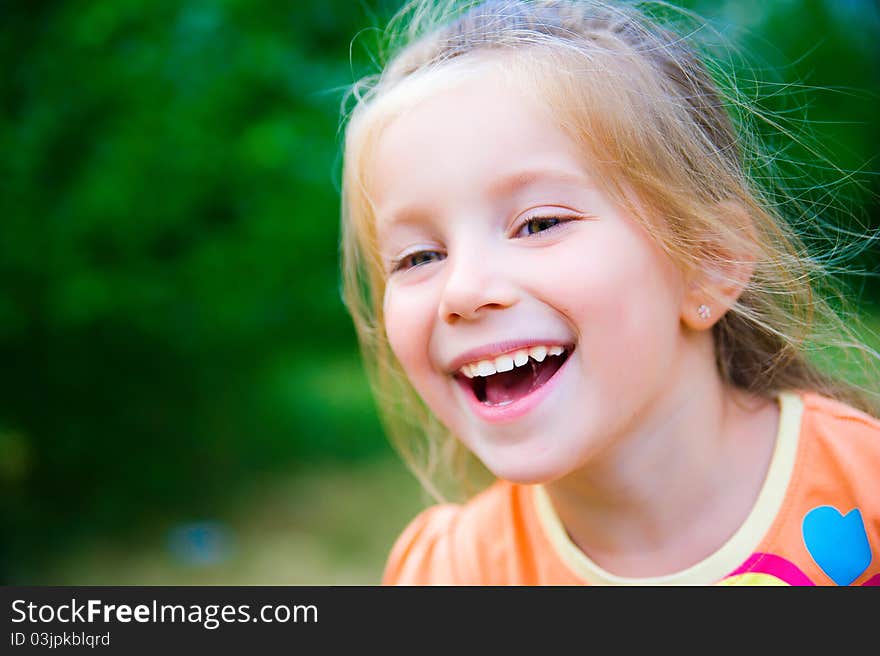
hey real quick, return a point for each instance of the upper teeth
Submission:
(508, 361)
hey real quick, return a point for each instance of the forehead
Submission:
(479, 134)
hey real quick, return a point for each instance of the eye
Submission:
(416, 259)
(538, 224)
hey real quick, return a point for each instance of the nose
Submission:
(475, 284)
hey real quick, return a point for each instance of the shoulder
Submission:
(828, 523)
(447, 544)
(830, 419)
(840, 448)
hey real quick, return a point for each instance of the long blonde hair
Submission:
(653, 116)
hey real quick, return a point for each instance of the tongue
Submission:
(509, 386)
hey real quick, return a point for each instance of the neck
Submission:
(676, 485)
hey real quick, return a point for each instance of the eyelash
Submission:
(400, 264)
(532, 219)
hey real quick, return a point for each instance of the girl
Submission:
(559, 261)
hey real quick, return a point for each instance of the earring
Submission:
(704, 311)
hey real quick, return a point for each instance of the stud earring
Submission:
(704, 311)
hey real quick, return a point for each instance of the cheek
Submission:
(623, 300)
(409, 325)
(594, 286)
(408, 319)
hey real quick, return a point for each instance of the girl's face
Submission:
(537, 319)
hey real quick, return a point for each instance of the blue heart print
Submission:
(838, 543)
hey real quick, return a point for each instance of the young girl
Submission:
(557, 257)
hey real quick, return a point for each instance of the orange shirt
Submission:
(816, 521)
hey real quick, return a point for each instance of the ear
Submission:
(727, 265)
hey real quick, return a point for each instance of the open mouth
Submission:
(513, 376)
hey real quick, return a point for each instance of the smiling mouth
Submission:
(503, 388)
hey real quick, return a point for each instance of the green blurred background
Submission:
(182, 399)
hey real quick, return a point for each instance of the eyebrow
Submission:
(504, 186)
(521, 179)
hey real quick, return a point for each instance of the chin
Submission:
(527, 473)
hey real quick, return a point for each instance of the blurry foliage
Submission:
(815, 64)
(170, 319)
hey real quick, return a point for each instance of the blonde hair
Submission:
(658, 123)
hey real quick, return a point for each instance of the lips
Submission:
(506, 394)
(504, 388)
